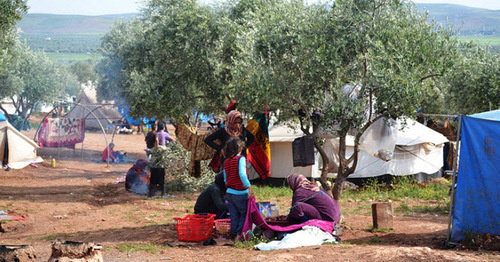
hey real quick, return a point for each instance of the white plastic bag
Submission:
(379, 139)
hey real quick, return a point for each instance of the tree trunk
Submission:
(343, 171)
(324, 170)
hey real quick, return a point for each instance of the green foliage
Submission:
(84, 71)
(11, 12)
(30, 78)
(474, 84)
(172, 53)
(175, 159)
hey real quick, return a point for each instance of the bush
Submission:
(175, 159)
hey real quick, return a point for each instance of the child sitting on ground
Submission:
(238, 186)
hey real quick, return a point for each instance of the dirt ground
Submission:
(79, 200)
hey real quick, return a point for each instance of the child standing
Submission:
(238, 188)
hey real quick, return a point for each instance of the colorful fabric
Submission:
(65, 132)
(260, 151)
(230, 127)
(254, 217)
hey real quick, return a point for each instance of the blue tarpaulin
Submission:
(2, 116)
(146, 121)
(478, 186)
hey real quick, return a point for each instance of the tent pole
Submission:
(455, 167)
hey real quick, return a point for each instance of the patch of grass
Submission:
(362, 209)
(272, 193)
(134, 247)
(378, 230)
(376, 240)
(441, 208)
(7, 206)
(402, 187)
(55, 236)
(250, 243)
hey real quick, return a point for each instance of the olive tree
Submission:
(339, 69)
(167, 62)
(30, 78)
(11, 13)
(473, 85)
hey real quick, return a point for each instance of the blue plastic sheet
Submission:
(478, 186)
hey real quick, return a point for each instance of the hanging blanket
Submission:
(260, 150)
(196, 145)
(65, 132)
(254, 217)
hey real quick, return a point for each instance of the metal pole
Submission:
(455, 166)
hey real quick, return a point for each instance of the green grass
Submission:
(442, 208)
(402, 188)
(134, 247)
(271, 193)
(481, 40)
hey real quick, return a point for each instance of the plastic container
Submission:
(223, 228)
(194, 228)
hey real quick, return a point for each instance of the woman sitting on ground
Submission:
(137, 179)
(310, 202)
(211, 200)
(114, 156)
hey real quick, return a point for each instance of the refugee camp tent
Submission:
(87, 101)
(280, 139)
(16, 149)
(418, 151)
(478, 186)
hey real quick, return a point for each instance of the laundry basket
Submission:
(223, 228)
(194, 228)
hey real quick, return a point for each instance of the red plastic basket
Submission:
(223, 227)
(194, 228)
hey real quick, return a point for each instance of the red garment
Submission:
(105, 154)
(233, 179)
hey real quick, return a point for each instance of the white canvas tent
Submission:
(281, 138)
(17, 149)
(86, 102)
(418, 149)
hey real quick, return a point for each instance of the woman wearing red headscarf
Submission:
(233, 128)
(310, 202)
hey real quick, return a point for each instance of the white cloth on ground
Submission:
(307, 236)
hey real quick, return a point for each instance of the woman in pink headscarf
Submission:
(233, 128)
(310, 202)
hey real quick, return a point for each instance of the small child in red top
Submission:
(238, 187)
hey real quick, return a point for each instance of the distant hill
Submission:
(80, 36)
(476, 21)
(69, 24)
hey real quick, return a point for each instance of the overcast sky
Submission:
(103, 7)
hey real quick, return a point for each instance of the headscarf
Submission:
(140, 165)
(298, 180)
(231, 129)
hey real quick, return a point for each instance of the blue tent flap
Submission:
(478, 186)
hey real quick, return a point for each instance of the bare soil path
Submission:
(78, 200)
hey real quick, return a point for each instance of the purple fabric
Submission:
(322, 201)
(254, 217)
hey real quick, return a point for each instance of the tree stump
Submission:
(21, 253)
(75, 252)
(382, 215)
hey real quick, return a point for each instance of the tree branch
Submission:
(429, 76)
